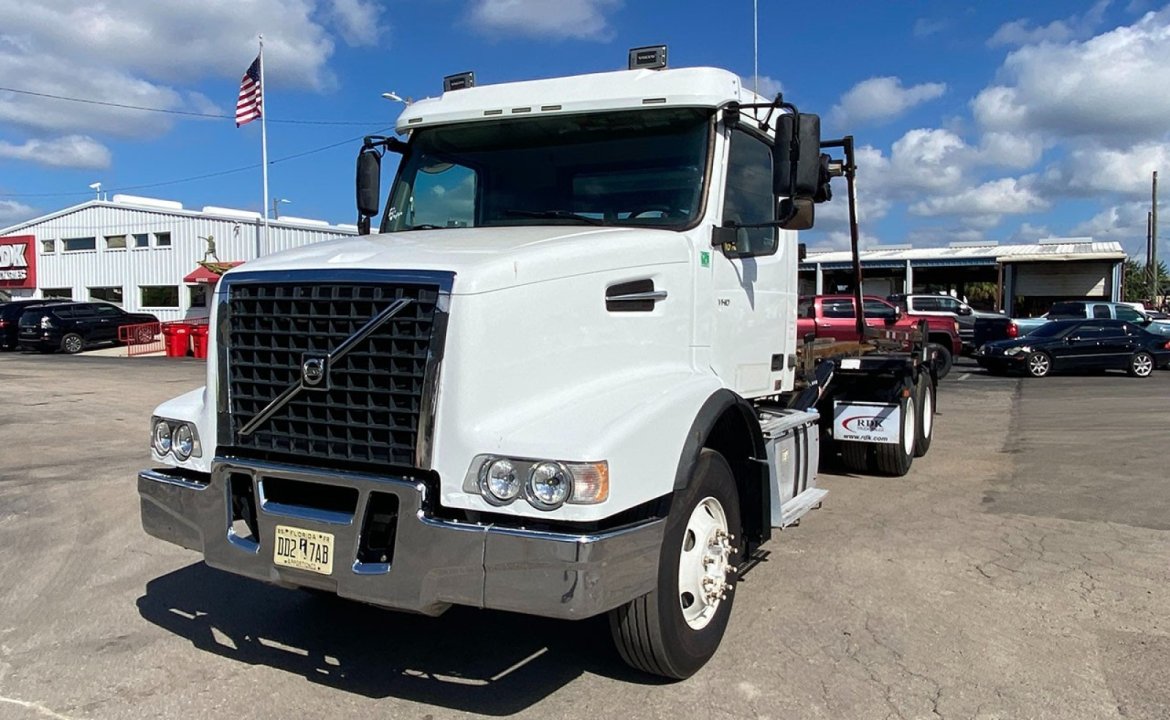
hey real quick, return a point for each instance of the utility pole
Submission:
(1152, 257)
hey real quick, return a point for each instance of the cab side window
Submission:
(748, 199)
(837, 308)
(1128, 313)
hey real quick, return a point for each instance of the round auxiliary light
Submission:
(161, 437)
(549, 485)
(183, 443)
(500, 481)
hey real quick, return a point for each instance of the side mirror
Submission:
(369, 180)
(965, 309)
(796, 166)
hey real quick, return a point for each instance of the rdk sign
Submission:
(18, 262)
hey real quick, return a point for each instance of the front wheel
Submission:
(1141, 364)
(943, 360)
(1039, 364)
(676, 628)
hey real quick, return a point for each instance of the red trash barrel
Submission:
(199, 341)
(177, 338)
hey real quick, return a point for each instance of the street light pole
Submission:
(276, 207)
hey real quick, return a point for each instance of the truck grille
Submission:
(374, 399)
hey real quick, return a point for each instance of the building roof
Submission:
(170, 207)
(967, 254)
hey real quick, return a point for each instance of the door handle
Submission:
(633, 296)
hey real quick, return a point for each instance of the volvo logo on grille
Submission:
(313, 371)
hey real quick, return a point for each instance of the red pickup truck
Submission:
(834, 316)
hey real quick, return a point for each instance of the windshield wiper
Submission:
(555, 215)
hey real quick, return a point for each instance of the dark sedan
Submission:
(1078, 345)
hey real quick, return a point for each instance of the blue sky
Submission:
(983, 120)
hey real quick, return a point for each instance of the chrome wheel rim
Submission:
(72, 344)
(1038, 365)
(1143, 365)
(704, 563)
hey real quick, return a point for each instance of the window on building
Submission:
(160, 296)
(162, 239)
(64, 293)
(198, 295)
(141, 240)
(48, 246)
(79, 244)
(108, 294)
(115, 242)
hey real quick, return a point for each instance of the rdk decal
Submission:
(13, 256)
(863, 423)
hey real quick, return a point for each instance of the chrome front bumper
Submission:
(435, 563)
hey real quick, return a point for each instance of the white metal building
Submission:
(144, 253)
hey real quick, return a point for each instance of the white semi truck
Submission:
(558, 378)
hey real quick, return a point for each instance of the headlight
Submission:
(499, 481)
(1016, 351)
(548, 485)
(176, 437)
(545, 484)
(183, 443)
(161, 436)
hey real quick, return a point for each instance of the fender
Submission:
(757, 525)
(190, 407)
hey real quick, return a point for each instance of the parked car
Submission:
(70, 327)
(991, 329)
(1093, 344)
(834, 316)
(944, 306)
(10, 313)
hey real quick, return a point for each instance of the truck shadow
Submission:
(478, 661)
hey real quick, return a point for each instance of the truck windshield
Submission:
(643, 167)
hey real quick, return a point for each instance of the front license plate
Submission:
(303, 549)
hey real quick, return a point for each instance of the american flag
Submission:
(249, 105)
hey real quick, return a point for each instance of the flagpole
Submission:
(264, 145)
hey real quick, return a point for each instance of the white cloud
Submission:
(925, 27)
(359, 21)
(768, 86)
(73, 151)
(12, 211)
(1029, 233)
(578, 19)
(1011, 150)
(1125, 223)
(1109, 88)
(1091, 170)
(1021, 32)
(1006, 196)
(882, 98)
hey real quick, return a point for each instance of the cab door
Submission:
(753, 283)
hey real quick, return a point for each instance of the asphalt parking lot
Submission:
(1019, 571)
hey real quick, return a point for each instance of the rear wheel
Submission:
(1141, 364)
(1039, 364)
(855, 456)
(676, 628)
(895, 458)
(924, 396)
(943, 359)
(72, 343)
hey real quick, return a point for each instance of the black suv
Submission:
(69, 327)
(10, 319)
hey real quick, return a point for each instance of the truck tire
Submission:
(944, 360)
(924, 397)
(676, 628)
(895, 458)
(855, 456)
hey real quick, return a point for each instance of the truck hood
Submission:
(488, 259)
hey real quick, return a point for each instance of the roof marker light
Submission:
(651, 57)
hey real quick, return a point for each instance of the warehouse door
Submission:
(1039, 284)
